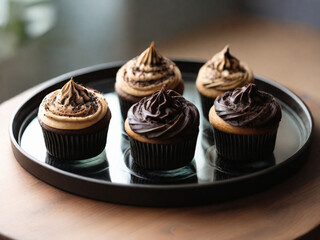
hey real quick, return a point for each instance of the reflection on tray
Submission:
(186, 174)
(225, 168)
(207, 137)
(96, 167)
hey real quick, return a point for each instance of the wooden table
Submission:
(32, 209)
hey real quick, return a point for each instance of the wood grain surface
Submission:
(32, 209)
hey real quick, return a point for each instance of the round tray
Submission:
(111, 176)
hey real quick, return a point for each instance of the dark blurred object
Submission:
(21, 21)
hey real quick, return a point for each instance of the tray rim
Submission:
(20, 153)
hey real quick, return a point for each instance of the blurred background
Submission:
(41, 39)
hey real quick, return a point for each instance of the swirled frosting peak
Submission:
(224, 72)
(73, 94)
(225, 61)
(147, 73)
(150, 57)
(164, 115)
(72, 107)
(248, 107)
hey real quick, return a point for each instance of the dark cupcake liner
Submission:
(124, 107)
(73, 147)
(206, 104)
(244, 147)
(163, 156)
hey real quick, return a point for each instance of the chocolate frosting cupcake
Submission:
(163, 131)
(165, 115)
(245, 124)
(248, 107)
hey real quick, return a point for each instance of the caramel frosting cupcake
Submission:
(143, 75)
(245, 123)
(74, 121)
(162, 130)
(223, 72)
(72, 107)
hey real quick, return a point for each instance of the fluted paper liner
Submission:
(206, 104)
(73, 147)
(244, 147)
(163, 156)
(124, 107)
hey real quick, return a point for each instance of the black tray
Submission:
(111, 176)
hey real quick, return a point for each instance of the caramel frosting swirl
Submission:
(248, 107)
(224, 72)
(72, 107)
(147, 73)
(164, 115)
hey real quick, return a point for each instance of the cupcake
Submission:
(162, 131)
(223, 72)
(145, 74)
(74, 122)
(245, 123)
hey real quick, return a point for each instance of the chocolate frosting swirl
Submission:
(72, 107)
(224, 72)
(147, 73)
(164, 115)
(248, 107)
